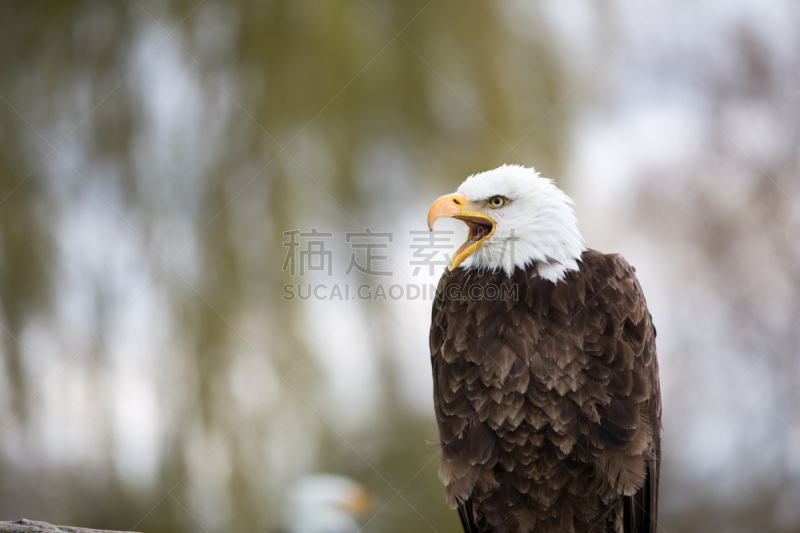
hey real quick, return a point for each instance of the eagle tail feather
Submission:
(467, 518)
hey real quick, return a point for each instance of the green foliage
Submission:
(293, 97)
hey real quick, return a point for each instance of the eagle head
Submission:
(515, 218)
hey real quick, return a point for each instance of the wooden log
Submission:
(31, 526)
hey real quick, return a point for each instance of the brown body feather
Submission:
(547, 399)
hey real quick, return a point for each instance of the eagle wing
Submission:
(495, 362)
(623, 301)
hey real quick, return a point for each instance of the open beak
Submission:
(480, 226)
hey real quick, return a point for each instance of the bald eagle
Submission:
(546, 386)
(326, 503)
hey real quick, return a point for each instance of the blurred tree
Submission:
(250, 119)
(727, 221)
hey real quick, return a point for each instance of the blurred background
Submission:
(153, 153)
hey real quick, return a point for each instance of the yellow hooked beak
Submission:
(359, 501)
(480, 226)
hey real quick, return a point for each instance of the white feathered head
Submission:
(515, 218)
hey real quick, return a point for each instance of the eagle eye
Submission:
(496, 202)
